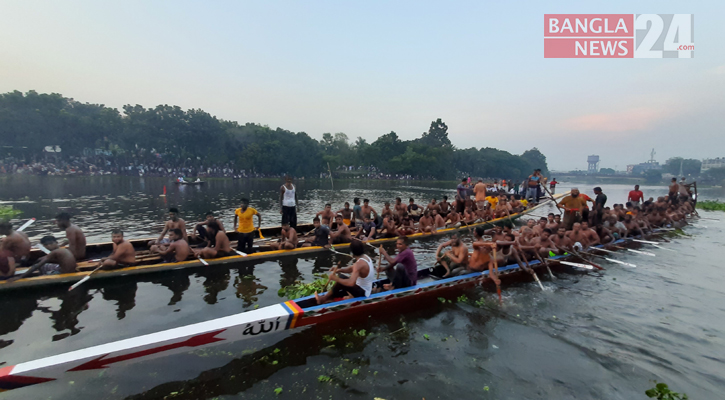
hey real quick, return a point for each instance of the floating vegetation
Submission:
(8, 212)
(662, 392)
(299, 289)
(324, 378)
(711, 205)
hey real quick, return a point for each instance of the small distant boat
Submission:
(197, 182)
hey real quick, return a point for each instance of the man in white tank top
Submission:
(360, 282)
(288, 202)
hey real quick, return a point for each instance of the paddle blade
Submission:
(80, 282)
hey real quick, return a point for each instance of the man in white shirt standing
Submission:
(288, 202)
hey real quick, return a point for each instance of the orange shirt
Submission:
(480, 191)
(577, 203)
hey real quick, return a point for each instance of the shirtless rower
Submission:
(342, 233)
(326, 213)
(426, 224)
(482, 257)
(176, 250)
(591, 235)
(389, 229)
(551, 222)
(387, 211)
(561, 240)
(496, 233)
(16, 243)
(174, 222)
(123, 254)
(407, 227)
(444, 206)
(75, 239)
(438, 221)
(543, 244)
(7, 264)
(360, 281)
(346, 213)
(288, 238)
(433, 206)
(400, 208)
(454, 219)
(59, 261)
(367, 209)
(456, 257)
(222, 247)
(577, 236)
(540, 226)
(367, 231)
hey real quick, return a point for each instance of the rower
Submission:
(221, 248)
(346, 213)
(245, 230)
(288, 202)
(16, 243)
(387, 212)
(402, 271)
(123, 254)
(426, 224)
(591, 235)
(445, 206)
(367, 210)
(414, 210)
(360, 282)
(540, 226)
(482, 257)
(577, 236)
(201, 230)
(438, 221)
(176, 251)
(432, 206)
(59, 261)
(174, 222)
(321, 234)
(288, 238)
(400, 208)
(75, 239)
(389, 229)
(342, 233)
(326, 213)
(561, 240)
(367, 230)
(7, 264)
(551, 222)
(543, 243)
(456, 257)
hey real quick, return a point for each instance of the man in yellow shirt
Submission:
(246, 226)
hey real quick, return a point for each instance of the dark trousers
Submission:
(246, 240)
(398, 276)
(203, 235)
(289, 214)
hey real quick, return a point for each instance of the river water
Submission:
(605, 335)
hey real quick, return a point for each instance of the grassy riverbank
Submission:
(711, 205)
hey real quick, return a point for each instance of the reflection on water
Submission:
(591, 336)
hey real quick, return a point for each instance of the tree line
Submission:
(167, 134)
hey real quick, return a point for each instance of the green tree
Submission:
(690, 166)
(607, 171)
(653, 176)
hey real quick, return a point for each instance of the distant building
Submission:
(712, 163)
(638, 169)
(593, 164)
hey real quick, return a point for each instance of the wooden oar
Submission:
(577, 264)
(240, 253)
(552, 199)
(635, 251)
(495, 267)
(25, 225)
(42, 248)
(573, 264)
(585, 260)
(380, 261)
(655, 244)
(87, 277)
(203, 261)
(611, 259)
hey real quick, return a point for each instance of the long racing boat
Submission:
(291, 314)
(154, 264)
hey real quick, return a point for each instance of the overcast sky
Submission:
(365, 68)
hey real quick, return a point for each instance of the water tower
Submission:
(593, 162)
